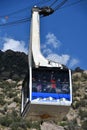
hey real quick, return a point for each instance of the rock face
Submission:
(13, 65)
(50, 126)
(85, 71)
(12, 105)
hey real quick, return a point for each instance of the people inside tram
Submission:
(49, 88)
(58, 83)
(65, 86)
(59, 86)
(53, 84)
(44, 84)
(50, 82)
(39, 86)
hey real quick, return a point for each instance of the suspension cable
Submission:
(16, 22)
(24, 9)
(59, 5)
(29, 18)
(53, 3)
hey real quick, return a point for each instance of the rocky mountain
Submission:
(15, 63)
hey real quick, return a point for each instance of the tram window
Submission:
(50, 81)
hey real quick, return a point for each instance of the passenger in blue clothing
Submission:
(58, 83)
(65, 86)
(59, 86)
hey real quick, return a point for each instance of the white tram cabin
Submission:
(50, 93)
(47, 88)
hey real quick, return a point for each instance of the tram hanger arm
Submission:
(45, 11)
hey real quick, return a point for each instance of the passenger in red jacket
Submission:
(53, 85)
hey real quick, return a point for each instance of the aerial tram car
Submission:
(47, 88)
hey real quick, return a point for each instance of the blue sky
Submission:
(63, 34)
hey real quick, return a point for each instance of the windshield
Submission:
(50, 81)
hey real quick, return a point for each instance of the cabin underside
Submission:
(45, 112)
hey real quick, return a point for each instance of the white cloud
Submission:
(51, 43)
(14, 45)
(54, 43)
(63, 59)
(3, 20)
(73, 62)
(52, 40)
(49, 51)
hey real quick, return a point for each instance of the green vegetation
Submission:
(83, 113)
(2, 101)
(84, 76)
(17, 100)
(72, 125)
(6, 86)
(84, 125)
(15, 122)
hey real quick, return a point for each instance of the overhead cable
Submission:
(53, 3)
(73, 3)
(16, 22)
(24, 9)
(29, 18)
(59, 5)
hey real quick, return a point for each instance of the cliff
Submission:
(13, 65)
